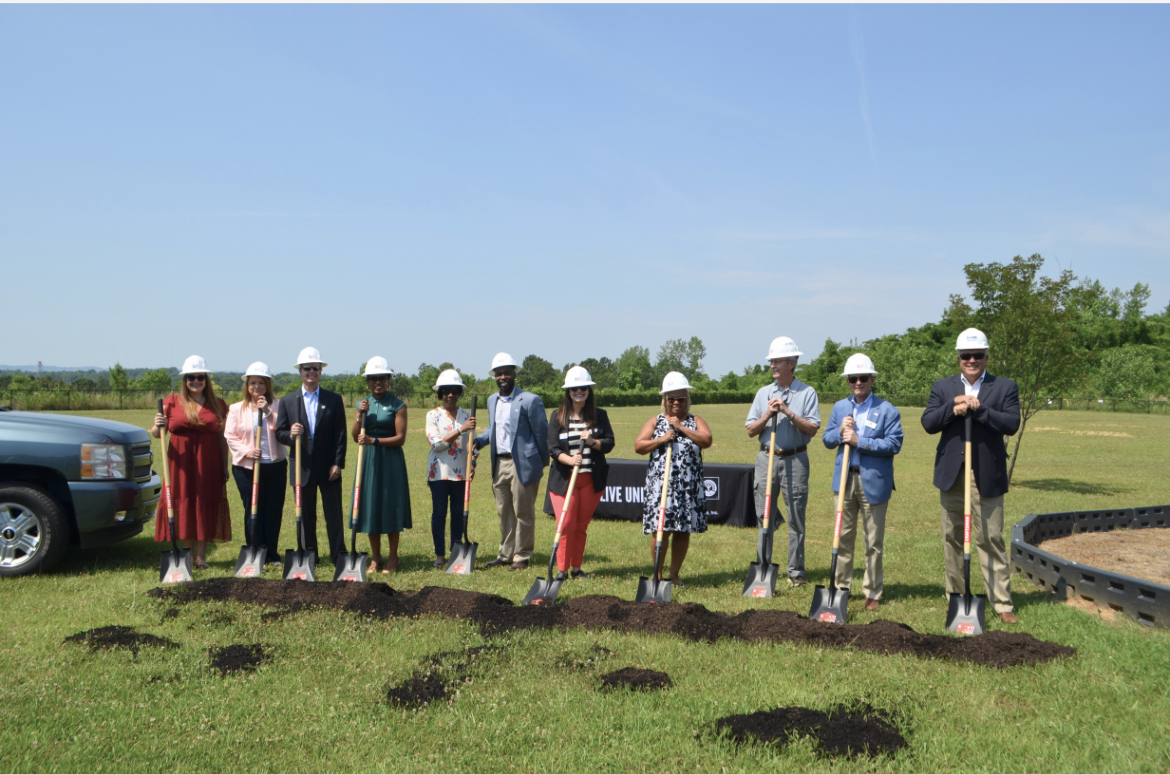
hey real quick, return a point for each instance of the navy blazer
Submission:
(998, 415)
(875, 450)
(326, 447)
(529, 435)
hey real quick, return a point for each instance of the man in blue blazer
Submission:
(994, 406)
(518, 434)
(873, 427)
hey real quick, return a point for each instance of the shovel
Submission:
(250, 562)
(654, 589)
(829, 605)
(545, 591)
(967, 614)
(761, 575)
(300, 564)
(462, 559)
(352, 566)
(176, 563)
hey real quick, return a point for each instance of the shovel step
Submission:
(543, 592)
(174, 569)
(352, 567)
(250, 563)
(462, 559)
(967, 614)
(761, 581)
(303, 567)
(829, 605)
(653, 591)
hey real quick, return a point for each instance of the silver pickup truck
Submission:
(70, 480)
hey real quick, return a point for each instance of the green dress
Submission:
(385, 501)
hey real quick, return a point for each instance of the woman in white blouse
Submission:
(447, 464)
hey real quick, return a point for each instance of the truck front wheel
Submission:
(34, 532)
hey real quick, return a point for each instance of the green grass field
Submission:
(320, 700)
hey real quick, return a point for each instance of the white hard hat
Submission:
(194, 365)
(577, 377)
(674, 381)
(859, 364)
(782, 346)
(377, 366)
(258, 369)
(449, 378)
(310, 355)
(972, 338)
(504, 359)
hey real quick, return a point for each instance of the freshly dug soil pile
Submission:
(842, 731)
(120, 637)
(1138, 553)
(496, 615)
(418, 690)
(636, 679)
(238, 658)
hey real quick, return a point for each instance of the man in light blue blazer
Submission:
(518, 435)
(873, 428)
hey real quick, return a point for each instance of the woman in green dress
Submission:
(384, 507)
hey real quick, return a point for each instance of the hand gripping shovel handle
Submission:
(967, 505)
(662, 512)
(167, 486)
(561, 521)
(467, 475)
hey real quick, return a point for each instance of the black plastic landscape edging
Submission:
(1145, 602)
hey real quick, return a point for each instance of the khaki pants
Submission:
(874, 523)
(986, 534)
(516, 504)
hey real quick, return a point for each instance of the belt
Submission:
(785, 452)
(855, 469)
(504, 456)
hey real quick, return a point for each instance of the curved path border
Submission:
(1145, 602)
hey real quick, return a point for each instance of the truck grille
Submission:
(143, 457)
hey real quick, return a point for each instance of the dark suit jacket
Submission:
(326, 447)
(558, 473)
(998, 415)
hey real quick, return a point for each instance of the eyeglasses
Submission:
(196, 377)
(859, 379)
(310, 368)
(972, 355)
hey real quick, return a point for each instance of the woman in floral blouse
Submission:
(447, 463)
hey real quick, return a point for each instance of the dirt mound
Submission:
(120, 637)
(418, 690)
(841, 731)
(238, 658)
(497, 615)
(636, 679)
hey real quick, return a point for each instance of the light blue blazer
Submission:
(529, 436)
(875, 450)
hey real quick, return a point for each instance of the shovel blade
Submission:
(462, 559)
(829, 605)
(175, 568)
(967, 614)
(543, 592)
(653, 591)
(761, 580)
(351, 567)
(300, 565)
(250, 562)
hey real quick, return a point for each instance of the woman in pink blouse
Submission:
(447, 463)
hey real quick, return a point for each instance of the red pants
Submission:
(581, 507)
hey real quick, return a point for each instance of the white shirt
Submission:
(973, 389)
(503, 423)
(311, 399)
(860, 414)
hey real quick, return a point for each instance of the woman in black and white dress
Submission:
(686, 502)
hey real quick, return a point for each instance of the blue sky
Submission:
(438, 183)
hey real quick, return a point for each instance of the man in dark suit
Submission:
(994, 406)
(319, 415)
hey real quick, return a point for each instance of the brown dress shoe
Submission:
(871, 604)
(519, 564)
(1009, 618)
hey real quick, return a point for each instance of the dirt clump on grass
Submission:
(108, 637)
(636, 679)
(496, 615)
(439, 673)
(238, 658)
(842, 731)
(418, 690)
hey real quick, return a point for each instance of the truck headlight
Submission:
(103, 460)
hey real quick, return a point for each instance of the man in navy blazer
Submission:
(873, 427)
(518, 435)
(994, 406)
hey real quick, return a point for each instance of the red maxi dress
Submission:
(196, 466)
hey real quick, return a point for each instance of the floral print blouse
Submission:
(446, 462)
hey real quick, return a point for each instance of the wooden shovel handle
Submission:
(841, 497)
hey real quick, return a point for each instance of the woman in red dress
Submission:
(198, 463)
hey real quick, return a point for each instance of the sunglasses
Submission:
(858, 379)
(578, 389)
(972, 355)
(677, 400)
(196, 377)
(311, 368)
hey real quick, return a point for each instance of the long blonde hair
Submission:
(191, 407)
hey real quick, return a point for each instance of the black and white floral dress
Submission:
(686, 501)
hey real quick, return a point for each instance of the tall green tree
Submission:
(157, 380)
(634, 369)
(536, 372)
(686, 357)
(118, 378)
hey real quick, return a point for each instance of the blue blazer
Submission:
(875, 450)
(529, 435)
